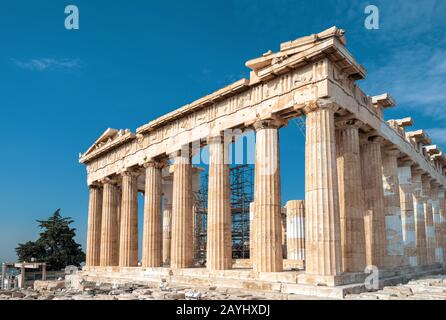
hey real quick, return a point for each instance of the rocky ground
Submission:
(56, 290)
(431, 288)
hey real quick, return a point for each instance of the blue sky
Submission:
(132, 61)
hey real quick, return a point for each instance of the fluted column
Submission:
(167, 221)
(442, 203)
(420, 227)
(322, 238)
(118, 219)
(153, 215)
(394, 230)
(128, 248)
(195, 231)
(351, 198)
(219, 237)
(94, 226)
(267, 198)
(407, 212)
(435, 191)
(251, 232)
(283, 224)
(372, 183)
(428, 218)
(109, 224)
(182, 233)
(295, 210)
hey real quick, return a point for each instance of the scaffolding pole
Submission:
(242, 194)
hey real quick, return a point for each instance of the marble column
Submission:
(128, 247)
(182, 232)
(283, 224)
(351, 197)
(322, 237)
(407, 212)
(267, 198)
(167, 220)
(153, 216)
(442, 203)
(2, 286)
(295, 229)
(420, 227)
(428, 218)
(251, 233)
(109, 224)
(94, 226)
(394, 256)
(118, 219)
(22, 284)
(372, 184)
(435, 192)
(195, 232)
(219, 237)
(43, 271)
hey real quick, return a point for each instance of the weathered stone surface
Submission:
(128, 235)
(48, 285)
(430, 288)
(219, 236)
(374, 193)
(295, 214)
(322, 239)
(267, 198)
(351, 198)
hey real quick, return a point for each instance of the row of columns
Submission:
(363, 206)
(355, 183)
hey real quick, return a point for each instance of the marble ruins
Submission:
(374, 191)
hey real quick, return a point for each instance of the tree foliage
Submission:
(56, 245)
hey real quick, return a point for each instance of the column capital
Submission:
(371, 139)
(269, 123)
(416, 169)
(319, 104)
(391, 151)
(154, 163)
(219, 137)
(349, 123)
(95, 185)
(435, 185)
(184, 152)
(426, 177)
(110, 180)
(405, 161)
(131, 172)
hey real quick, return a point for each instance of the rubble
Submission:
(430, 288)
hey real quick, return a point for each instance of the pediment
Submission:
(110, 138)
(330, 43)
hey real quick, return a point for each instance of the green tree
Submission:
(56, 245)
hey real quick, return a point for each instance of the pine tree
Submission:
(56, 245)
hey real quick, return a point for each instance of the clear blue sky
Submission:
(132, 61)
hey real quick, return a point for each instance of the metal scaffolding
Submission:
(242, 194)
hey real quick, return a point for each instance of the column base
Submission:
(337, 280)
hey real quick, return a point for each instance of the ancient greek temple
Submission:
(374, 191)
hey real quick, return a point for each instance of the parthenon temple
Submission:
(374, 190)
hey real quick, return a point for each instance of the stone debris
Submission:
(429, 288)
(48, 285)
(193, 295)
(101, 291)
